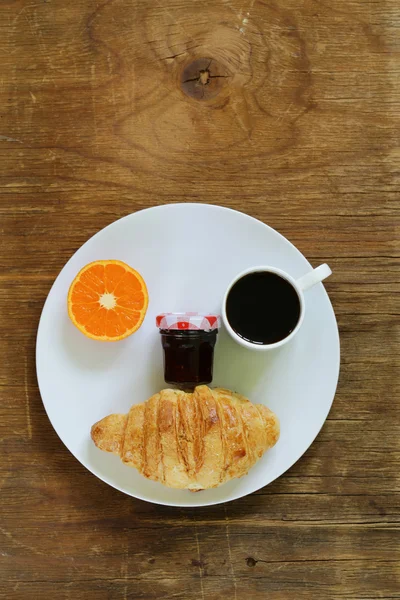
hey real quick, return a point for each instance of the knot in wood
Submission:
(203, 78)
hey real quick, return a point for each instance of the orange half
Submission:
(108, 300)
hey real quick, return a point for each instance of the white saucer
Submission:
(187, 254)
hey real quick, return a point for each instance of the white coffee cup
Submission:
(300, 286)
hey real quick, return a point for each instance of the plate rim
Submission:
(160, 207)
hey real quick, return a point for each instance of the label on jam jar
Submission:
(188, 341)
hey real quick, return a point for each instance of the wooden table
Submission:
(286, 110)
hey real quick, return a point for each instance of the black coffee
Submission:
(263, 308)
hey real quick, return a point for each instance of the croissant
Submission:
(190, 441)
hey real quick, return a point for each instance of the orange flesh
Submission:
(107, 300)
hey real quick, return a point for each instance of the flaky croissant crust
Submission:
(190, 441)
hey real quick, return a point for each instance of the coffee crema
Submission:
(263, 308)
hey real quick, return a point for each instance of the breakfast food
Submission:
(188, 341)
(191, 441)
(107, 300)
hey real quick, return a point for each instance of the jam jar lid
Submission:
(188, 320)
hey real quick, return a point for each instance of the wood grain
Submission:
(286, 110)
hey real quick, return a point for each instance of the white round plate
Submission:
(187, 254)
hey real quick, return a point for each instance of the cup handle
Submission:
(313, 277)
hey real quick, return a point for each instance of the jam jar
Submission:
(188, 341)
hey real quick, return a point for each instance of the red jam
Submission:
(188, 342)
